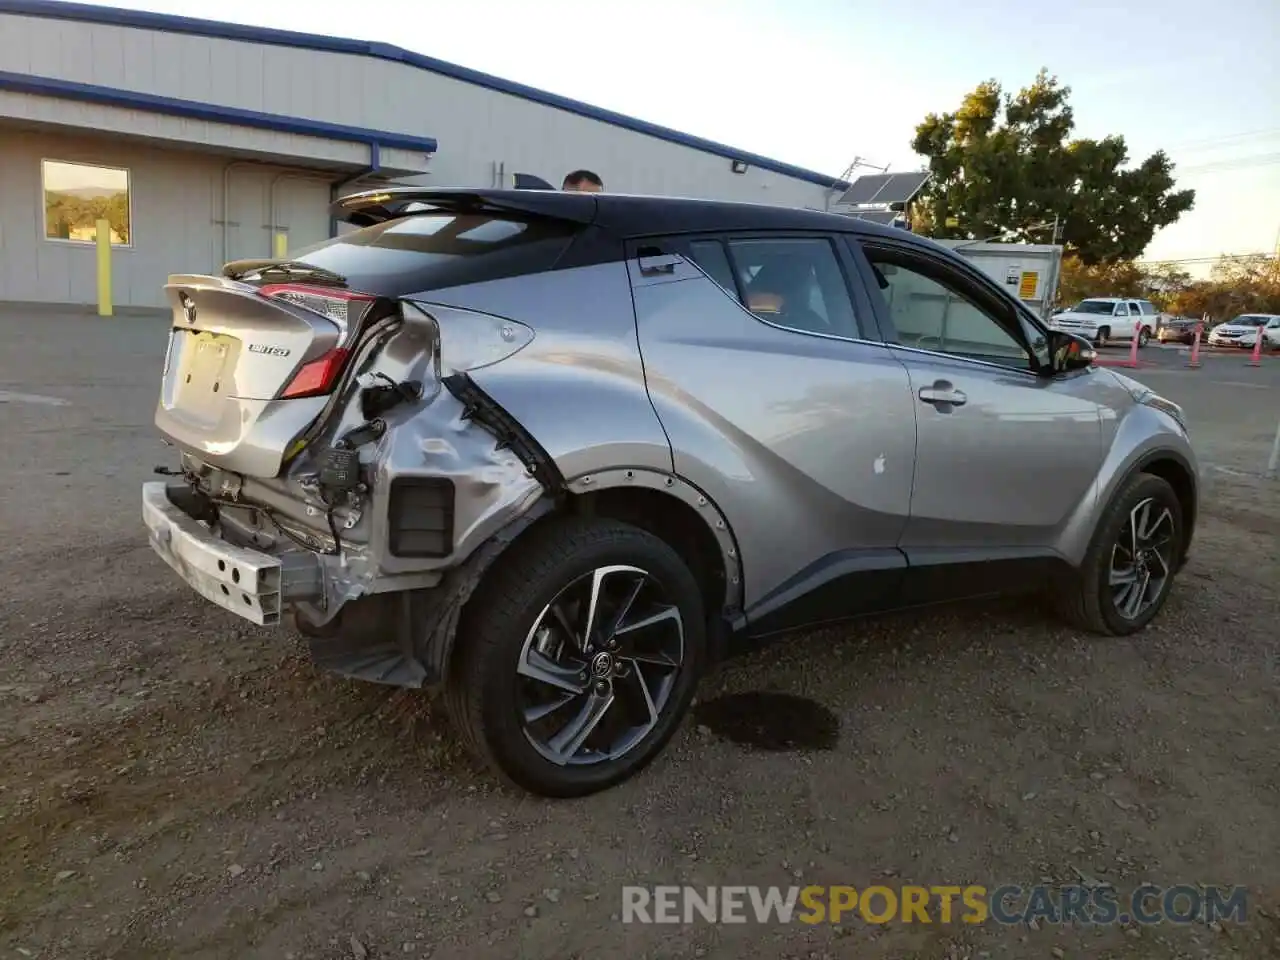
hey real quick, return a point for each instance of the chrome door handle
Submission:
(947, 395)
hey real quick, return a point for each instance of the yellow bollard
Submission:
(282, 245)
(104, 267)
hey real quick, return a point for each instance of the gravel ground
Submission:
(180, 784)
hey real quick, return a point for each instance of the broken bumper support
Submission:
(251, 584)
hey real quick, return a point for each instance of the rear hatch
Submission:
(255, 354)
(249, 365)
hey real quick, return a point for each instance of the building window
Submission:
(78, 195)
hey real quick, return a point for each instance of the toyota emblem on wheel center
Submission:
(601, 665)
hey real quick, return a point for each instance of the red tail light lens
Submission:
(343, 308)
(318, 377)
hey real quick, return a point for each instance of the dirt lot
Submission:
(179, 784)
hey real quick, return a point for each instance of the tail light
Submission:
(343, 308)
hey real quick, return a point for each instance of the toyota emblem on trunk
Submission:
(188, 307)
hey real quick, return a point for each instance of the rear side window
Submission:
(710, 256)
(429, 251)
(792, 282)
(795, 283)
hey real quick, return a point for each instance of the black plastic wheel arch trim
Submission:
(510, 433)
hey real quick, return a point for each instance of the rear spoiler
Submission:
(378, 206)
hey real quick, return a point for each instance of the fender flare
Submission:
(1190, 518)
(673, 485)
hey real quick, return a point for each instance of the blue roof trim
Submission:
(61, 10)
(217, 113)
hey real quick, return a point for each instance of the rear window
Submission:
(1106, 307)
(429, 251)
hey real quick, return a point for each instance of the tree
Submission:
(1002, 166)
(1162, 284)
(1236, 285)
(65, 213)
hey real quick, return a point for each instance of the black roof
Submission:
(625, 215)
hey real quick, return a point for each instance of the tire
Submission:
(485, 692)
(1144, 337)
(1103, 335)
(1087, 601)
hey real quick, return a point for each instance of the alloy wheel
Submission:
(1142, 559)
(599, 666)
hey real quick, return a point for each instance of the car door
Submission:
(1128, 325)
(1136, 318)
(1004, 454)
(765, 369)
(1271, 333)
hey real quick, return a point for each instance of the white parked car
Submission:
(1108, 319)
(1243, 331)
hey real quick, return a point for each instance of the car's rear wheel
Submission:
(1131, 562)
(578, 656)
(1102, 336)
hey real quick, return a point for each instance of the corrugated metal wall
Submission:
(176, 201)
(177, 195)
(475, 127)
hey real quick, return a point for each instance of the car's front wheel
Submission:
(1144, 337)
(1131, 562)
(1103, 335)
(578, 656)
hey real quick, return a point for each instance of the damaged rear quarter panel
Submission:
(430, 437)
(491, 486)
(579, 387)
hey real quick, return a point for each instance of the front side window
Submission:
(77, 196)
(795, 283)
(930, 314)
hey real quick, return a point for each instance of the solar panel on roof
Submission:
(885, 188)
(864, 189)
(877, 216)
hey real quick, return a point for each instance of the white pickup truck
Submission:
(1107, 319)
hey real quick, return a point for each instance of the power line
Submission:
(1223, 256)
(1225, 138)
(1235, 163)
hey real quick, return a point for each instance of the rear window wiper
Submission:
(239, 269)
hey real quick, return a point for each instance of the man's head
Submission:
(583, 181)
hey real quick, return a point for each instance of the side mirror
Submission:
(1070, 352)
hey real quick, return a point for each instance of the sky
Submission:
(820, 82)
(74, 176)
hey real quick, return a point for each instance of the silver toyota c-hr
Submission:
(557, 452)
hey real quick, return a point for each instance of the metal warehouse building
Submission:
(202, 142)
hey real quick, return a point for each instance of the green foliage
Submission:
(1003, 166)
(1159, 283)
(71, 217)
(1236, 285)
